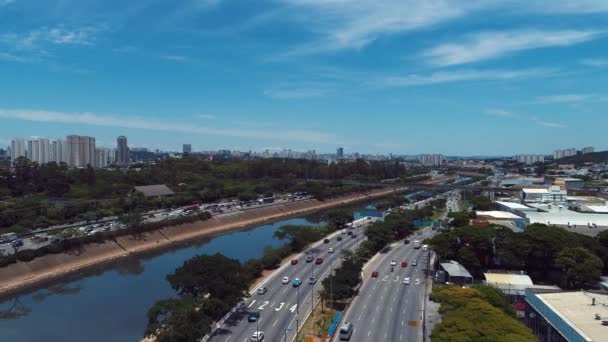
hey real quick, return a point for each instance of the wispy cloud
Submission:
(50, 36)
(5, 56)
(6, 2)
(595, 62)
(170, 126)
(285, 93)
(563, 98)
(515, 116)
(488, 45)
(464, 75)
(176, 58)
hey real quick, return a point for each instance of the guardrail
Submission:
(221, 322)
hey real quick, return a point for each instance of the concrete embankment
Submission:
(23, 275)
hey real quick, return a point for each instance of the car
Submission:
(253, 317)
(404, 263)
(353, 236)
(312, 280)
(17, 243)
(393, 263)
(349, 233)
(285, 280)
(310, 258)
(343, 231)
(330, 250)
(414, 263)
(339, 238)
(375, 274)
(257, 336)
(262, 290)
(319, 261)
(406, 241)
(294, 261)
(296, 282)
(406, 281)
(419, 233)
(326, 241)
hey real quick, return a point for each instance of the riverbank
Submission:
(23, 275)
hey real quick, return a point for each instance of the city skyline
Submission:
(424, 79)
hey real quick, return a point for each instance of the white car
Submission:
(330, 250)
(285, 280)
(393, 263)
(406, 281)
(343, 231)
(257, 336)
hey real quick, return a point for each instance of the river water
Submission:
(110, 303)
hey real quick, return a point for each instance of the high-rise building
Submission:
(58, 151)
(80, 151)
(112, 155)
(586, 150)
(101, 157)
(431, 159)
(3, 154)
(39, 150)
(122, 151)
(187, 148)
(340, 153)
(565, 153)
(530, 159)
(18, 149)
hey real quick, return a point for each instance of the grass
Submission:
(316, 325)
(437, 214)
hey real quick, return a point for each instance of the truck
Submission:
(425, 247)
(416, 244)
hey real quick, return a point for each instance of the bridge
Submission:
(415, 186)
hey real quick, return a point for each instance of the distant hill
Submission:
(595, 157)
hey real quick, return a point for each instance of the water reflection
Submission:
(16, 310)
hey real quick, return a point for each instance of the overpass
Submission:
(415, 186)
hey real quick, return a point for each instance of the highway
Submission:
(385, 306)
(279, 306)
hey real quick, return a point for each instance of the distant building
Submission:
(3, 154)
(18, 149)
(565, 153)
(59, 151)
(187, 148)
(122, 151)
(552, 194)
(431, 159)
(158, 190)
(340, 153)
(586, 150)
(38, 150)
(530, 159)
(101, 157)
(561, 316)
(453, 272)
(80, 151)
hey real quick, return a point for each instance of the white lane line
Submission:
(246, 339)
(273, 303)
(385, 335)
(401, 337)
(226, 340)
(369, 333)
(402, 323)
(284, 290)
(275, 323)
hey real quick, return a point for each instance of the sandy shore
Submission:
(22, 275)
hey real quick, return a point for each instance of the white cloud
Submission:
(464, 75)
(5, 56)
(500, 112)
(515, 116)
(595, 62)
(176, 58)
(548, 123)
(296, 93)
(170, 126)
(488, 45)
(50, 35)
(563, 98)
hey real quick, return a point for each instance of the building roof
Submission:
(598, 208)
(504, 215)
(564, 217)
(575, 308)
(508, 279)
(512, 205)
(454, 269)
(154, 190)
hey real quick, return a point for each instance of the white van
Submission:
(346, 331)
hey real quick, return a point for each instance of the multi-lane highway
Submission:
(284, 307)
(387, 308)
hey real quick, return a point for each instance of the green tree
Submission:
(338, 217)
(580, 268)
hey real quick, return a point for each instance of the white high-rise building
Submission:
(530, 159)
(58, 151)
(39, 150)
(431, 159)
(586, 150)
(80, 151)
(565, 153)
(101, 157)
(18, 149)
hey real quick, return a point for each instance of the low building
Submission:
(158, 190)
(567, 183)
(499, 217)
(560, 316)
(452, 272)
(515, 208)
(552, 194)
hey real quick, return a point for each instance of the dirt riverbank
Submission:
(22, 275)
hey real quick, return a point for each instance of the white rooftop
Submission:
(564, 217)
(598, 208)
(576, 309)
(508, 279)
(498, 214)
(516, 206)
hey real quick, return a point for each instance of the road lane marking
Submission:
(261, 307)
(273, 303)
(250, 305)
(284, 290)
(275, 323)
(369, 333)
(226, 340)
(293, 308)
(280, 307)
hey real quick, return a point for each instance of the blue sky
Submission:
(475, 77)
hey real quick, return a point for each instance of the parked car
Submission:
(254, 316)
(319, 261)
(294, 261)
(285, 280)
(262, 290)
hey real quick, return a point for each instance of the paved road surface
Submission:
(385, 306)
(279, 306)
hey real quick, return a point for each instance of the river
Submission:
(110, 303)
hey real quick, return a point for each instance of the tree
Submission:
(460, 218)
(338, 217)
(177, 320)
(580, 268)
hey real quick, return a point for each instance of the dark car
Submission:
(406, 241)
(353, 236)
(326, 240)
(339, 238)
(375, 274)
(349, 233)
(294, 261)
(254, 316)
(310, 258)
